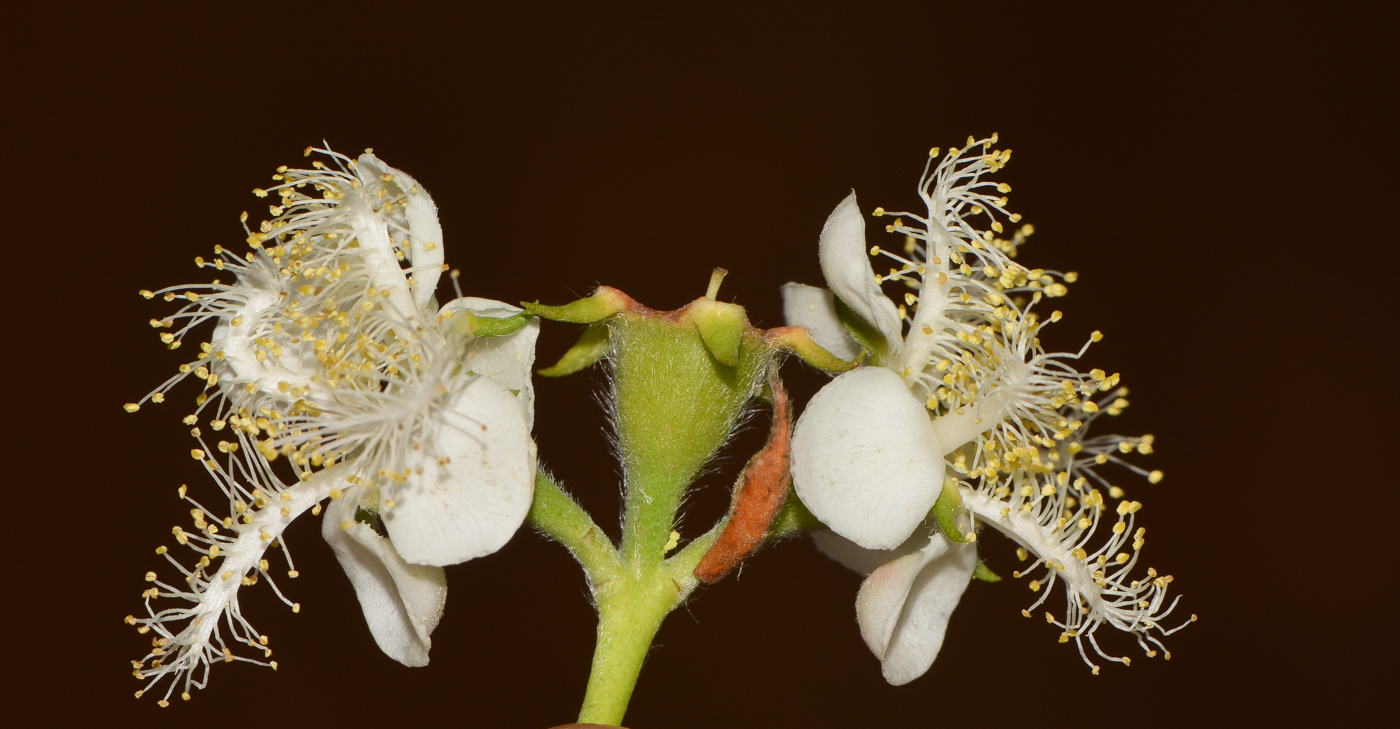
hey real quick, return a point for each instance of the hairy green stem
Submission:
(556, 514)
(630, 611)
(629, 614)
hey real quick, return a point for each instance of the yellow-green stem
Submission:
(628, 619)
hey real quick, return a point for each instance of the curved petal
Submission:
(402, 602)
(239, 366)
(425, 242)
(473, 484)
(510, 359)
(913, 642)
(858, 559)
(377, 254)
(846, 266)
(815, 308)
(865, 460)
(880, 602)
(424, 230)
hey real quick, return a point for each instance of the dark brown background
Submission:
(1213, 174)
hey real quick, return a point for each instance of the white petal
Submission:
(376, 251)
(846, 266)
(239, 365)
(509, 360)
(424, 231)
(856, 558)
(815, 308)
(883, 594)
(958, 429)
(402, 602)
(917, 637)
(471, 505)
(425, 243)
(865, 460)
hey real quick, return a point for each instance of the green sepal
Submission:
(721, 327)
(487, 326)
(799, 341)
(604, 302)
(948, 512)
(868, 337)
(592, 345)
(984, 573)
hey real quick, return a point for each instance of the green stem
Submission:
(630, 613)
(628, 618)
(556, 514)
(631, 607)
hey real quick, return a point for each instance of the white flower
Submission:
(960, 390)
(329, 355)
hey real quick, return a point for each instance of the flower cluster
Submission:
(329, 354)
(961, 408)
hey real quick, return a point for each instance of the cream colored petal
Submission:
(402, 602)
(865, 460)
(815, 308)
(473, 483)
(846, 265)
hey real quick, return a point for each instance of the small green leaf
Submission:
(489, 326)
(984, 573)
(591, 346)
(799, 341)
(604, 302)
